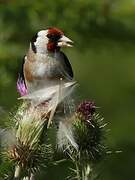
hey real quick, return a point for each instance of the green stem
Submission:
(86, 172)
(77, 171)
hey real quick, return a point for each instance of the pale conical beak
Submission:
(65, 42)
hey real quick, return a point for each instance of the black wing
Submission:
(21, 73)
(66, 65)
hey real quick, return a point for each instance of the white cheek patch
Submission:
(41, 42)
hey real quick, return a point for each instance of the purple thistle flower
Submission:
(86, 109)
(21, 87)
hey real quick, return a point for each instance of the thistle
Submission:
(88, 131)
(82, 139)
(21, 87)
(86, 109)
(28, 152)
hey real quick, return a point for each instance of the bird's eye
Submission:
(53, 37)
(49, 35)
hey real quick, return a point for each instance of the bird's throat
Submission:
(52, 47)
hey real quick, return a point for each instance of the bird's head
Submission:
(50, 40)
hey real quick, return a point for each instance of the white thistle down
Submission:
(52, 95)
(65, 136)
(50, 92)
(7, 137)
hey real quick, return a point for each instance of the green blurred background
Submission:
(103, 59)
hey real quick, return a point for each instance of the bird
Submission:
(45, 64)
